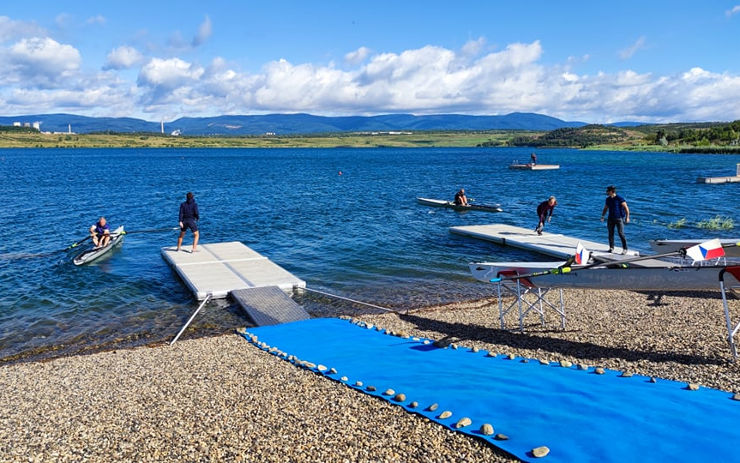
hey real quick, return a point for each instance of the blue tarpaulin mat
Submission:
(577, 414)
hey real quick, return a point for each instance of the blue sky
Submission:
(652, 61)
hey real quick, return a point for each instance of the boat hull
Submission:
(668, 278)
(663, 246)
(457, 207)
(534, 166)
(91, 255)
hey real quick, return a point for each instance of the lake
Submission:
(360, 234)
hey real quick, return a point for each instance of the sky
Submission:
(590, 61)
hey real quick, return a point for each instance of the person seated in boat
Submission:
(100, 233)
(533, 158)
(544, 212)
(460, 198)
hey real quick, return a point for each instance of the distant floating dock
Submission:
(550, 244)
(517, 166)
(220, 268)
(731, 179)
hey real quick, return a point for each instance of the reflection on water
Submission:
(360, 235)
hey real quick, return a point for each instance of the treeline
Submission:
(720, 134)
(580, 137)
(17, 129)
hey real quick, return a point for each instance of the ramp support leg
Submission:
(208, 297)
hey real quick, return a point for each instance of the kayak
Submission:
(458, 207)
(92, 254)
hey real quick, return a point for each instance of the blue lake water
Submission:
(360, 234)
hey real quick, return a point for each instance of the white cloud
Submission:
(356, 57)
(473, 47)
(733, 11)
(38, 61)
(14, 30)
(123, 57)
(169, 74)
(204, 31)
(632, 49)
(41, 75)
(97, 19)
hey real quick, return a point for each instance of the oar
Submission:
(566, 268)
(153, 230)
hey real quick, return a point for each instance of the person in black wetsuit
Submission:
(544, 212)
(188, 219)
(460, 198)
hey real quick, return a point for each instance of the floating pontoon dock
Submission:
(730, 179)
(551, 244)
(220, 268)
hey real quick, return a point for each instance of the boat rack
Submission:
(733, 289)
(527, 298)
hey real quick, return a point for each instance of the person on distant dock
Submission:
(533, 158)
(460, 198)
(544, 212)
(188, 217)
(100, 233)
(619, 214)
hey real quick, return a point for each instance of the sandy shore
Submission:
(220, 399)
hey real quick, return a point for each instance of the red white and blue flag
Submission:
(711, 249)
(582, 254)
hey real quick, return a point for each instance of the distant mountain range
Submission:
(292, 124)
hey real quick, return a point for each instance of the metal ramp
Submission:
(269, 305)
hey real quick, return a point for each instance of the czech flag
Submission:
(711, 249)
(582, 254)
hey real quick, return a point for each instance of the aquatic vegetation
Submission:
(680, 223)
(716, 223)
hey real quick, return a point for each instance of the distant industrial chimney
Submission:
(69, 128)
(162, 125)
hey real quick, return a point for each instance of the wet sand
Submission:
(221, 399)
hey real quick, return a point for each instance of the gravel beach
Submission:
(221, 399)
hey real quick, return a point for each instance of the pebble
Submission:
(582, 367)
(462, 422)
(332, 371)
(566, 364)
(344, 378)
(544, 362)
(736, 396)
(414, 404)
(500, 436)
(511, 356)
(389, 392)
(486, 429)
(540, 452)
(400, 397)
(445, 414)
(491, 354)
(625, 374)
(692, 387)
(358, 383)
(371, 388)
(474, 350)
(599, 371)
(433, 407)
(321, 368)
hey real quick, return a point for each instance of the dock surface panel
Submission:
(269, 305)
(550, 244)
(219, 268)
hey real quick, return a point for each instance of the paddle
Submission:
(566, 268)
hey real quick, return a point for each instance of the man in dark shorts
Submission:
(619, 214)
(100, 233)
(544, 212)
(460, 198)
(188, 217)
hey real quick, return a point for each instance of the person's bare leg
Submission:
(195, 240)
(179, 240)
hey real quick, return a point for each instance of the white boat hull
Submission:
(91, 255)
(668, 278)
(662, 246)
(458, 207)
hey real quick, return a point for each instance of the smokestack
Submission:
(162, 125)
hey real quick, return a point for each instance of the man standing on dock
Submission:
(619, 214)
(188, 217)
(544, 212)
